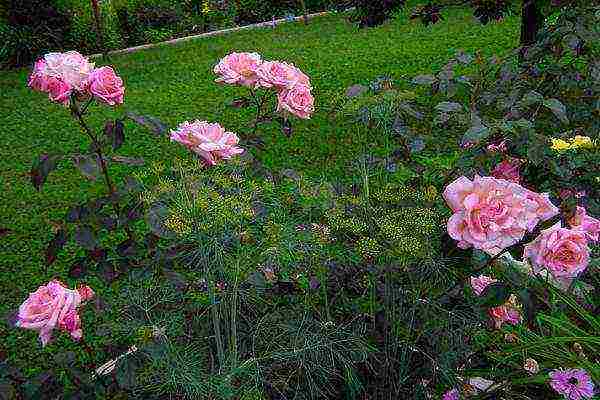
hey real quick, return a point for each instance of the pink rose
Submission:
(49, 307)
(492, 214)
(507, 313)
(238, 69)
(508, 169)
(479, 283)
(106, 86)
(297, 101)
(85, 292)
(71, 67)
(38, 79)
(209, 141)
(585, 223)
(58, 90)
(563, 252)
(71, 324)
(280, 75)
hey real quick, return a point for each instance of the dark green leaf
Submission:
(128, 160)
(113, 130)
(528, 304)
(356, 90)
(42, 167)
(84, 236)
(449, 106)
(423, 79)
(55, 245)
(155, 218)
(464, 58)
(494, 295)
(475, 134)
(558, 108)
(154, 124)
(88, 165)
(531, 98)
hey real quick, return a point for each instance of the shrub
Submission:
(31, 28)
(374, 12)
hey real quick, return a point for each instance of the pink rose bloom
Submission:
(106, 86)
(38, 79)
(58, 90)
(497, 148)
(508, 169)
(71, 67)
(49, 307)
(585, 223)
(209, 141)
(280, 75)
(297, 101)
(85, 292)
(563, 252)
(545, 209)
(573, 384)
(507, 313)
(238, 69)
(479, 283)
(492, 214)
(71, 324)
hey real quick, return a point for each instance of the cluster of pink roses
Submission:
(209, 141)
(53, 306)
(506, 313)
(61, 75)
(492, 214)
(292, 85)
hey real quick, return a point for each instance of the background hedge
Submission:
(29, 28)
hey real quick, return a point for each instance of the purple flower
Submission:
(451, 395)
(573, 384)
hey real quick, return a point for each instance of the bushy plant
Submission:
(370, 13)
(29, 29)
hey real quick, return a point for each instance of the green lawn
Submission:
(176, 84)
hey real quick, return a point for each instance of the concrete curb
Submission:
(209, 34)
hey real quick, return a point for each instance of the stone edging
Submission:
(209, 34)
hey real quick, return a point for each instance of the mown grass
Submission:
(176, 84)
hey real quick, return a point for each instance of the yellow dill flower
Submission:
(559, 145)
(205, 7)
(581, 141)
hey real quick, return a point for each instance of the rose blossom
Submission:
(492, 214)
(106, 86)
(38, 80)
(297, 101)
(563, 252)
(507, 313)
(508, 169)
(238, 69)
(479, 283)
(58, 90)
(280, 75)
(209, 141)
(71, 67)
(49, 307)
(585, 223)
(573, 384)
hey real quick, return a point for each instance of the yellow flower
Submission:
(205, 7)
(560, 145)
(581, 141)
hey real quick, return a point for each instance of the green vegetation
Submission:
(175, 84)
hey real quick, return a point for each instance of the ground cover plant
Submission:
(425, 230)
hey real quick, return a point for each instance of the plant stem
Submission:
(97, 147)
(215, 315)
